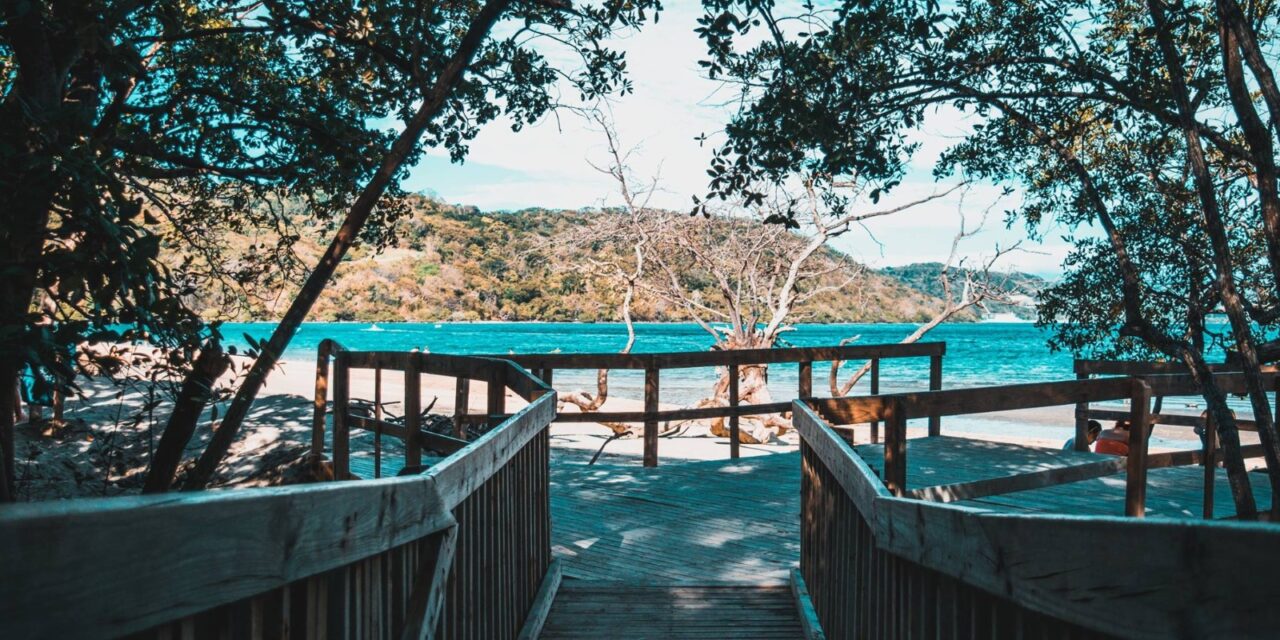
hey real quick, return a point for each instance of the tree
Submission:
(963, 288)
(756, 275)
(125, 122)
(1095, 111)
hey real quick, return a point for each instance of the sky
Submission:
(549, 165)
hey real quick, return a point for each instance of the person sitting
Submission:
(1114, 441)
(1091, 436)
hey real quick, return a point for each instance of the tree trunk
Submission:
(753, 388)
(195, 394)
(432, 102)
(1232, 301)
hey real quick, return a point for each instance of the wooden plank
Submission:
(460, 474)
(875, 391)
(1146, 368)
(461, 398)
(341, 431)
(323, 354)
(74, 564)
(651, 420)
(809, 621)
(733, 419)
(935, 384)
(1037, 562)
(698, 413)
(1168, 419)
(805, 374)
(1135, 493)
(542, 603)
(972, 400)
(422, 611)
(496, 396)
(698, 359)
(1008, 484)
(895, 448)
(412, 412)
(860, 483)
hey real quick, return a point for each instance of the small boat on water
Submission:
(373, 326)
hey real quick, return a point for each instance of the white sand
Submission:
(105, 447)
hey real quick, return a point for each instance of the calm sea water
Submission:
(977, 354)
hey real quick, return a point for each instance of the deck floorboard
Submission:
(611, 610)
(1172, 492)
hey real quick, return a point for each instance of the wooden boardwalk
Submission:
(593, 611)
(707, 522)
(1172, 492)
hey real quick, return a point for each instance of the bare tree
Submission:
(634, 225)
(737, 277)
(963, 288)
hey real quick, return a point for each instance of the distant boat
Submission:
(373, 326)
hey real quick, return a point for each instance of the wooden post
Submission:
(650, 419)
(733, 405)
(377, 422)
(497, 391)
(413, 410)
(548, 375)
(875, 391)
(806, 379)
(1210, 464)
(935, 384)
(321, 397)
(461, 400)
(1081, 442)
(895, 449)
(1135, 492)
(341, 429)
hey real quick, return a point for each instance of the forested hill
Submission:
(455, 263)
(1021, 287)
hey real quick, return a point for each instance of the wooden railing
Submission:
(896, 409)
(1086, 369)
(461, 550)
(545, 365)
(881, 561)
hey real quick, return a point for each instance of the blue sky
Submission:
(548, 164)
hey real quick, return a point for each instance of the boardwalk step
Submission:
(619, 610)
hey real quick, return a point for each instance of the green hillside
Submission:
(456, 263)
(1022, 287)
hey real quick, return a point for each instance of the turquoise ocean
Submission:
(978, 354)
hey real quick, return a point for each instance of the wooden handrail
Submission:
(695, 359)
(105, 567)
(1010, 397)
(1045, 574)
(516, 377)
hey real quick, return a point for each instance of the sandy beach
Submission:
(105, 445)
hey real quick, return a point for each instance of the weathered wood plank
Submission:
(251, 541)
(697, 359)
(460, 474)
(542, 603)
(809, 622)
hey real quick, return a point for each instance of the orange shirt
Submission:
(1113, 441)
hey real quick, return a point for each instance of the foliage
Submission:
(458, 263)
(126, 125)
(841, 94)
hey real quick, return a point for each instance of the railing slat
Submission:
(733, 417)
(650, 421)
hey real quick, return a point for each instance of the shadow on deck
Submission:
(709, 522)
